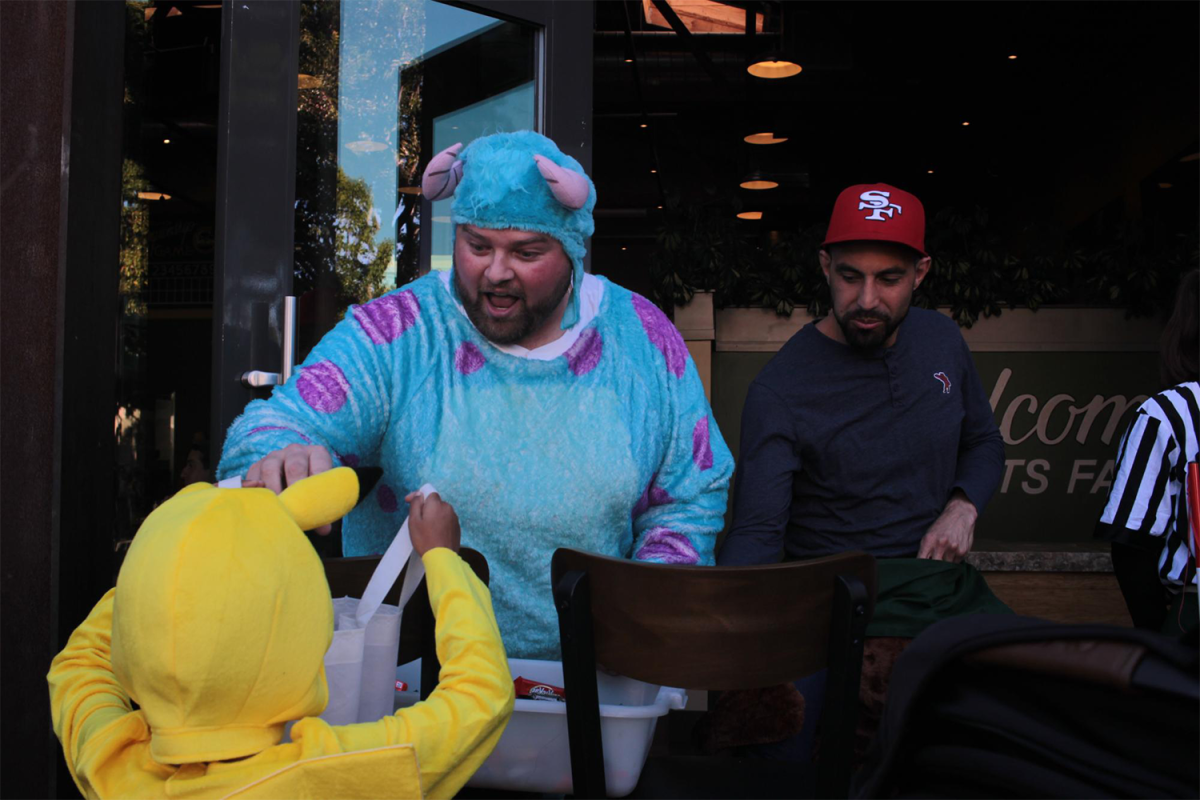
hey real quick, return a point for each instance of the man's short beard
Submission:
(517, 327)
(868, 339)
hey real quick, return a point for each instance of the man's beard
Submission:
(517, 326)
(868, 339)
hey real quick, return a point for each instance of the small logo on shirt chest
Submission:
(941, 378)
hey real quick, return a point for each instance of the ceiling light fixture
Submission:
(750, 215)
(774, 67)
(166, 141)
(757, 185)
(764, 138)
(758, 181)
(1012, 58)
(653, 172)
(1164, 185)
(644, 125)
(965, 124)
(174, 12)
(928, 172)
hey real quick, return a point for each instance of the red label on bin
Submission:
(536, 690)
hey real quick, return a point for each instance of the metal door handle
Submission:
(256, 378)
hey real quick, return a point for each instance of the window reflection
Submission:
(383, 86)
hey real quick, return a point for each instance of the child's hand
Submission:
(432, 523)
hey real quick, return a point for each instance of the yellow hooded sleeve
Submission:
(457, 728)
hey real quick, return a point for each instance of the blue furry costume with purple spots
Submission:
(602, 441)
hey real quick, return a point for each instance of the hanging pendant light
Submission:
(757, 181)
(778, 62)
(774, 67)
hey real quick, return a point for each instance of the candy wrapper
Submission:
(536, 690)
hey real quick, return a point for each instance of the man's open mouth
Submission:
(500, 305)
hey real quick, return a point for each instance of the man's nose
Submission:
(499, 270)
(868, 295)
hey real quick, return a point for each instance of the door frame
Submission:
(256, 163)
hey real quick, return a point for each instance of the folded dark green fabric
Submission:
(914, 593)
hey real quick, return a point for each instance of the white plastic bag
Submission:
(360, 664)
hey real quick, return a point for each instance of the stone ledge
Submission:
(994, 556)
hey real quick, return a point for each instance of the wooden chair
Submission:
(348, 577)
(714, 628)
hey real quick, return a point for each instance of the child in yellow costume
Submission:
(217, 629)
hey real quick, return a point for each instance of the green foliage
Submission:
(976, 269)
(360, 264)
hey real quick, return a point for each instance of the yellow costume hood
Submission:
(200, 618)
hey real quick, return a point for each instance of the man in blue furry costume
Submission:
(553, 408)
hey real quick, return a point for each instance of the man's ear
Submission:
(922, 269)
(826, 262)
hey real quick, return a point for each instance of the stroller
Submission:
(997, 706)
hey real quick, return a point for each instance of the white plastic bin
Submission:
(533, 754)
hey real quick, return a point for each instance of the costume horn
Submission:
(568, 187)
(443, 174)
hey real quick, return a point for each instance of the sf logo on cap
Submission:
(879, 204)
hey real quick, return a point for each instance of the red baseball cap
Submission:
(877, 212)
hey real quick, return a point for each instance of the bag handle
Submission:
(399, 553)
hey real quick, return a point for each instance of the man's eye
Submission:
(478, 248)
(529, 255)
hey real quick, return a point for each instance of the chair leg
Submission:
(847, 633)
(573, 601)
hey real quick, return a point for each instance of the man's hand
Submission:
(950, 536)
(295, 462)
(432, 523)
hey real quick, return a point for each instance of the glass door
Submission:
(323, 149)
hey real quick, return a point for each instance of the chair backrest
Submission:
(714, 627)
(348, 577)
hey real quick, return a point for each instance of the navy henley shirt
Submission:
(850, 450)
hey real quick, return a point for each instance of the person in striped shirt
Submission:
(1146, 517)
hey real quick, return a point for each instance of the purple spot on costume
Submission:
(663, 334)
(584, 355)
(279, 428)
(349, 459)
(468, 359)
(667, 546)
(323, 386)
(653, 496)
(702, 454)
(385, 318)
(386, 498)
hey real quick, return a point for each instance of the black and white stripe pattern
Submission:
(1147, 503)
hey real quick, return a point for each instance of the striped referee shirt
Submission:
(1147, 504)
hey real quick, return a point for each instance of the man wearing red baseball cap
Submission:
(870, 430)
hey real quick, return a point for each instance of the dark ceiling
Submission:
(1099, 107)
(1097, 110)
